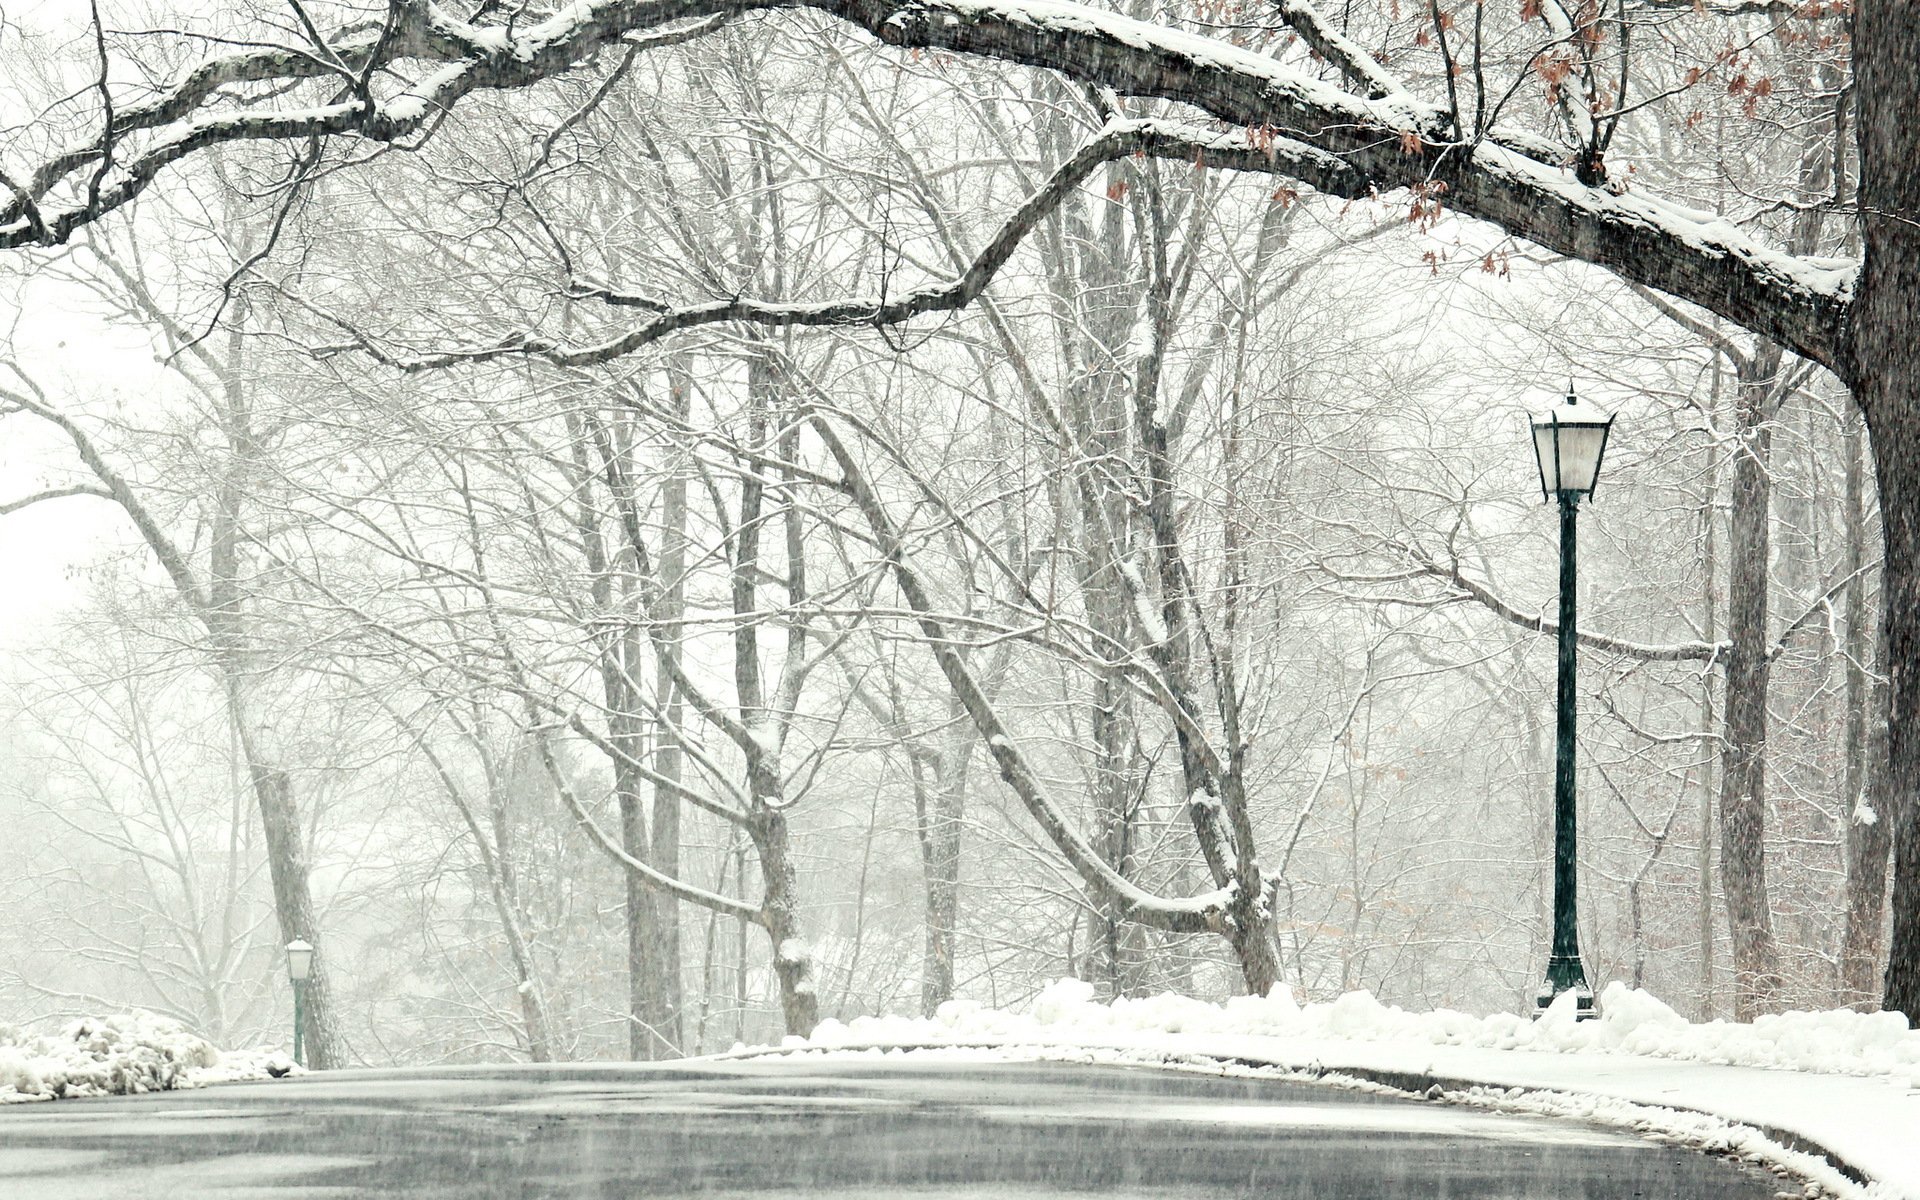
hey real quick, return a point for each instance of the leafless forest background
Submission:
(590, 679)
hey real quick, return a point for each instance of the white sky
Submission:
(76, 358)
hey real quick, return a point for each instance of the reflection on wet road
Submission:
(856, 1130)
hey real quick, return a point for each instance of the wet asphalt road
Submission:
(856, 1130)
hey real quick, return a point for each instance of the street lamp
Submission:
(1569, 441)
(299, 963)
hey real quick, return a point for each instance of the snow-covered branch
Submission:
(1472, 589)
(1382, 142)
(59, 493)
(1352, 60)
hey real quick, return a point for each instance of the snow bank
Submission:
(1632, 1022)
(121, 1055)
(1828, 1099)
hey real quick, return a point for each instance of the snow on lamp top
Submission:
(1569, 440)
(299, 959)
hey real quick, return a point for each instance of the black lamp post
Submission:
(299, 963)
(1569, 441)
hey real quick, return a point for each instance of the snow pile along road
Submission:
(121, 1055)
(1631, 1022)
(1828, 1099)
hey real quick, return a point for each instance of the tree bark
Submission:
(1885, 375)
(1743, 779)
(1863, 807)
(293, 903)
(940, 855)
(780, 914)
(1709, 626)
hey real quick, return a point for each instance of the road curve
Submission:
(854, 1130)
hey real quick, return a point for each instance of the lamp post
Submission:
(299, 962)
(1569, 441)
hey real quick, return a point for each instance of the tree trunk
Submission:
(293, 902)
(1864, 808)
(792, 957)
(496, 847)
(1885, 375)
(940, 862)
(766, 822)
(668, 1000)
(1743, 781)
(1106, 308)
(620, 655)
(1111, 958)
(225, 617)
(620, 674)
(1709, 627)
(1900, 510)
(644, 1040)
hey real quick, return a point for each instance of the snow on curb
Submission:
(1632, 1022)
(1274, 1036)
(121, 1055)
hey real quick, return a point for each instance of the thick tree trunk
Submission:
(1709, 629)
(1250, 933)
(533, 1017)
(1864, 806)
(1885, 375)
(645, 1040)
(661, 1007)
(1900, 509)
(1105, 307)
(1743, 781)
(941, 826)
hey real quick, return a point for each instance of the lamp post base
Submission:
(1584, 1008)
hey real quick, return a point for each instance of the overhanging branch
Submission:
(1385, 142)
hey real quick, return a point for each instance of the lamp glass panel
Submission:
(1573, 470)
(299, 960)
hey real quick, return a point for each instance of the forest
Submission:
(640, 525)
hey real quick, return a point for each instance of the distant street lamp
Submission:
(299, 963)
(1568, 441)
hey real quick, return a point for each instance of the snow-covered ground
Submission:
(1831, 1099)
(119, 1055)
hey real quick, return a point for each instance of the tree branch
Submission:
(1384, 143)
(78, 489)
(1194, 915)
(1157, 138)
(1488, 599)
